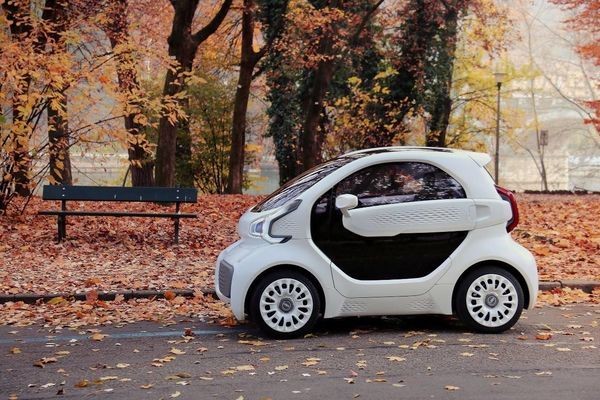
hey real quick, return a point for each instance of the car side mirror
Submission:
(345, 202)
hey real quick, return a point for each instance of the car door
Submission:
(410, 218)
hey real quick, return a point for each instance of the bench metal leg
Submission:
(59, 231)
(176, 230)
(62, 223)
(176, 224)
(64, 227)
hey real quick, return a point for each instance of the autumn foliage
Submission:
(585, 15)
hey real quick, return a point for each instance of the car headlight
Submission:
(262, 226)
(256, 227)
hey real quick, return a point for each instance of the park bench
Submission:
(117, 194)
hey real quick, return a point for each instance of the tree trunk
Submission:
(140, 158)
(440, 118)
(19, 26)
(240, 106)
(442, 103)
(183, 45)
(57, 15)
(311, 149)
(184, 169)
(58, 139)
(312, 135)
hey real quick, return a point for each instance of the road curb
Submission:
(586, 286)
(31, 298)
(549, 285)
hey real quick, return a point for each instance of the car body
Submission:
(386, 231)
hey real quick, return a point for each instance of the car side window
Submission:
(400, 182)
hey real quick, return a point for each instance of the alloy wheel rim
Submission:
(286, 305)
(492, 300)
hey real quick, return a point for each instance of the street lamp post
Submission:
(499, 77)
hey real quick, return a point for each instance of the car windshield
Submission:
(299, 184)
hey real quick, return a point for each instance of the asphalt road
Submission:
(373, 358)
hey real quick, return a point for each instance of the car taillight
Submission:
(507, 195)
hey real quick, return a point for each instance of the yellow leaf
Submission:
(98, 337)
(56, 300)
(253, 342)
(83, 383)
(396, 358)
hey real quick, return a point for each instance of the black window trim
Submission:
(333, 189)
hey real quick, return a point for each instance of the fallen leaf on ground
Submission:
(543, 336)
(253, 342)
(82, 383)
(396, 358)
(98, 337)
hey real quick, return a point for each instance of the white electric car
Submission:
(387, 231)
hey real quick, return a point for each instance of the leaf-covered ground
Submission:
(104, 254)
(563, 232)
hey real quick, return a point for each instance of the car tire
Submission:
(285, 304)
(489, 300)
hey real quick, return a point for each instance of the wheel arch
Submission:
(284, 267)
(496, 263)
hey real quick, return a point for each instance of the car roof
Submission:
(480, 158)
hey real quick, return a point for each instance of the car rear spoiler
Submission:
(482, 159)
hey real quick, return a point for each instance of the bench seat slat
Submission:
(119, 193)
(118, 214)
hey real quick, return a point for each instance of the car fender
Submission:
(488, 245)
(298, 253)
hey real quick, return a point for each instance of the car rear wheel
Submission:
(489, 300)
(285, 304)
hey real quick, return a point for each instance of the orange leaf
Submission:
(170, 295)
(92, 296)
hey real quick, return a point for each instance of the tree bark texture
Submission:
(141, 162)
(19, 25)
(248, 61)
(441, 105)
(311, 135)
(56, 13)
(183, 45)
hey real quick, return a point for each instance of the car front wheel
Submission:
(489, 300)
(285, 304)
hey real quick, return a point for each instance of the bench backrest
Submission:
(119, 193)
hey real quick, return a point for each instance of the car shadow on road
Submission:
(435, 324)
